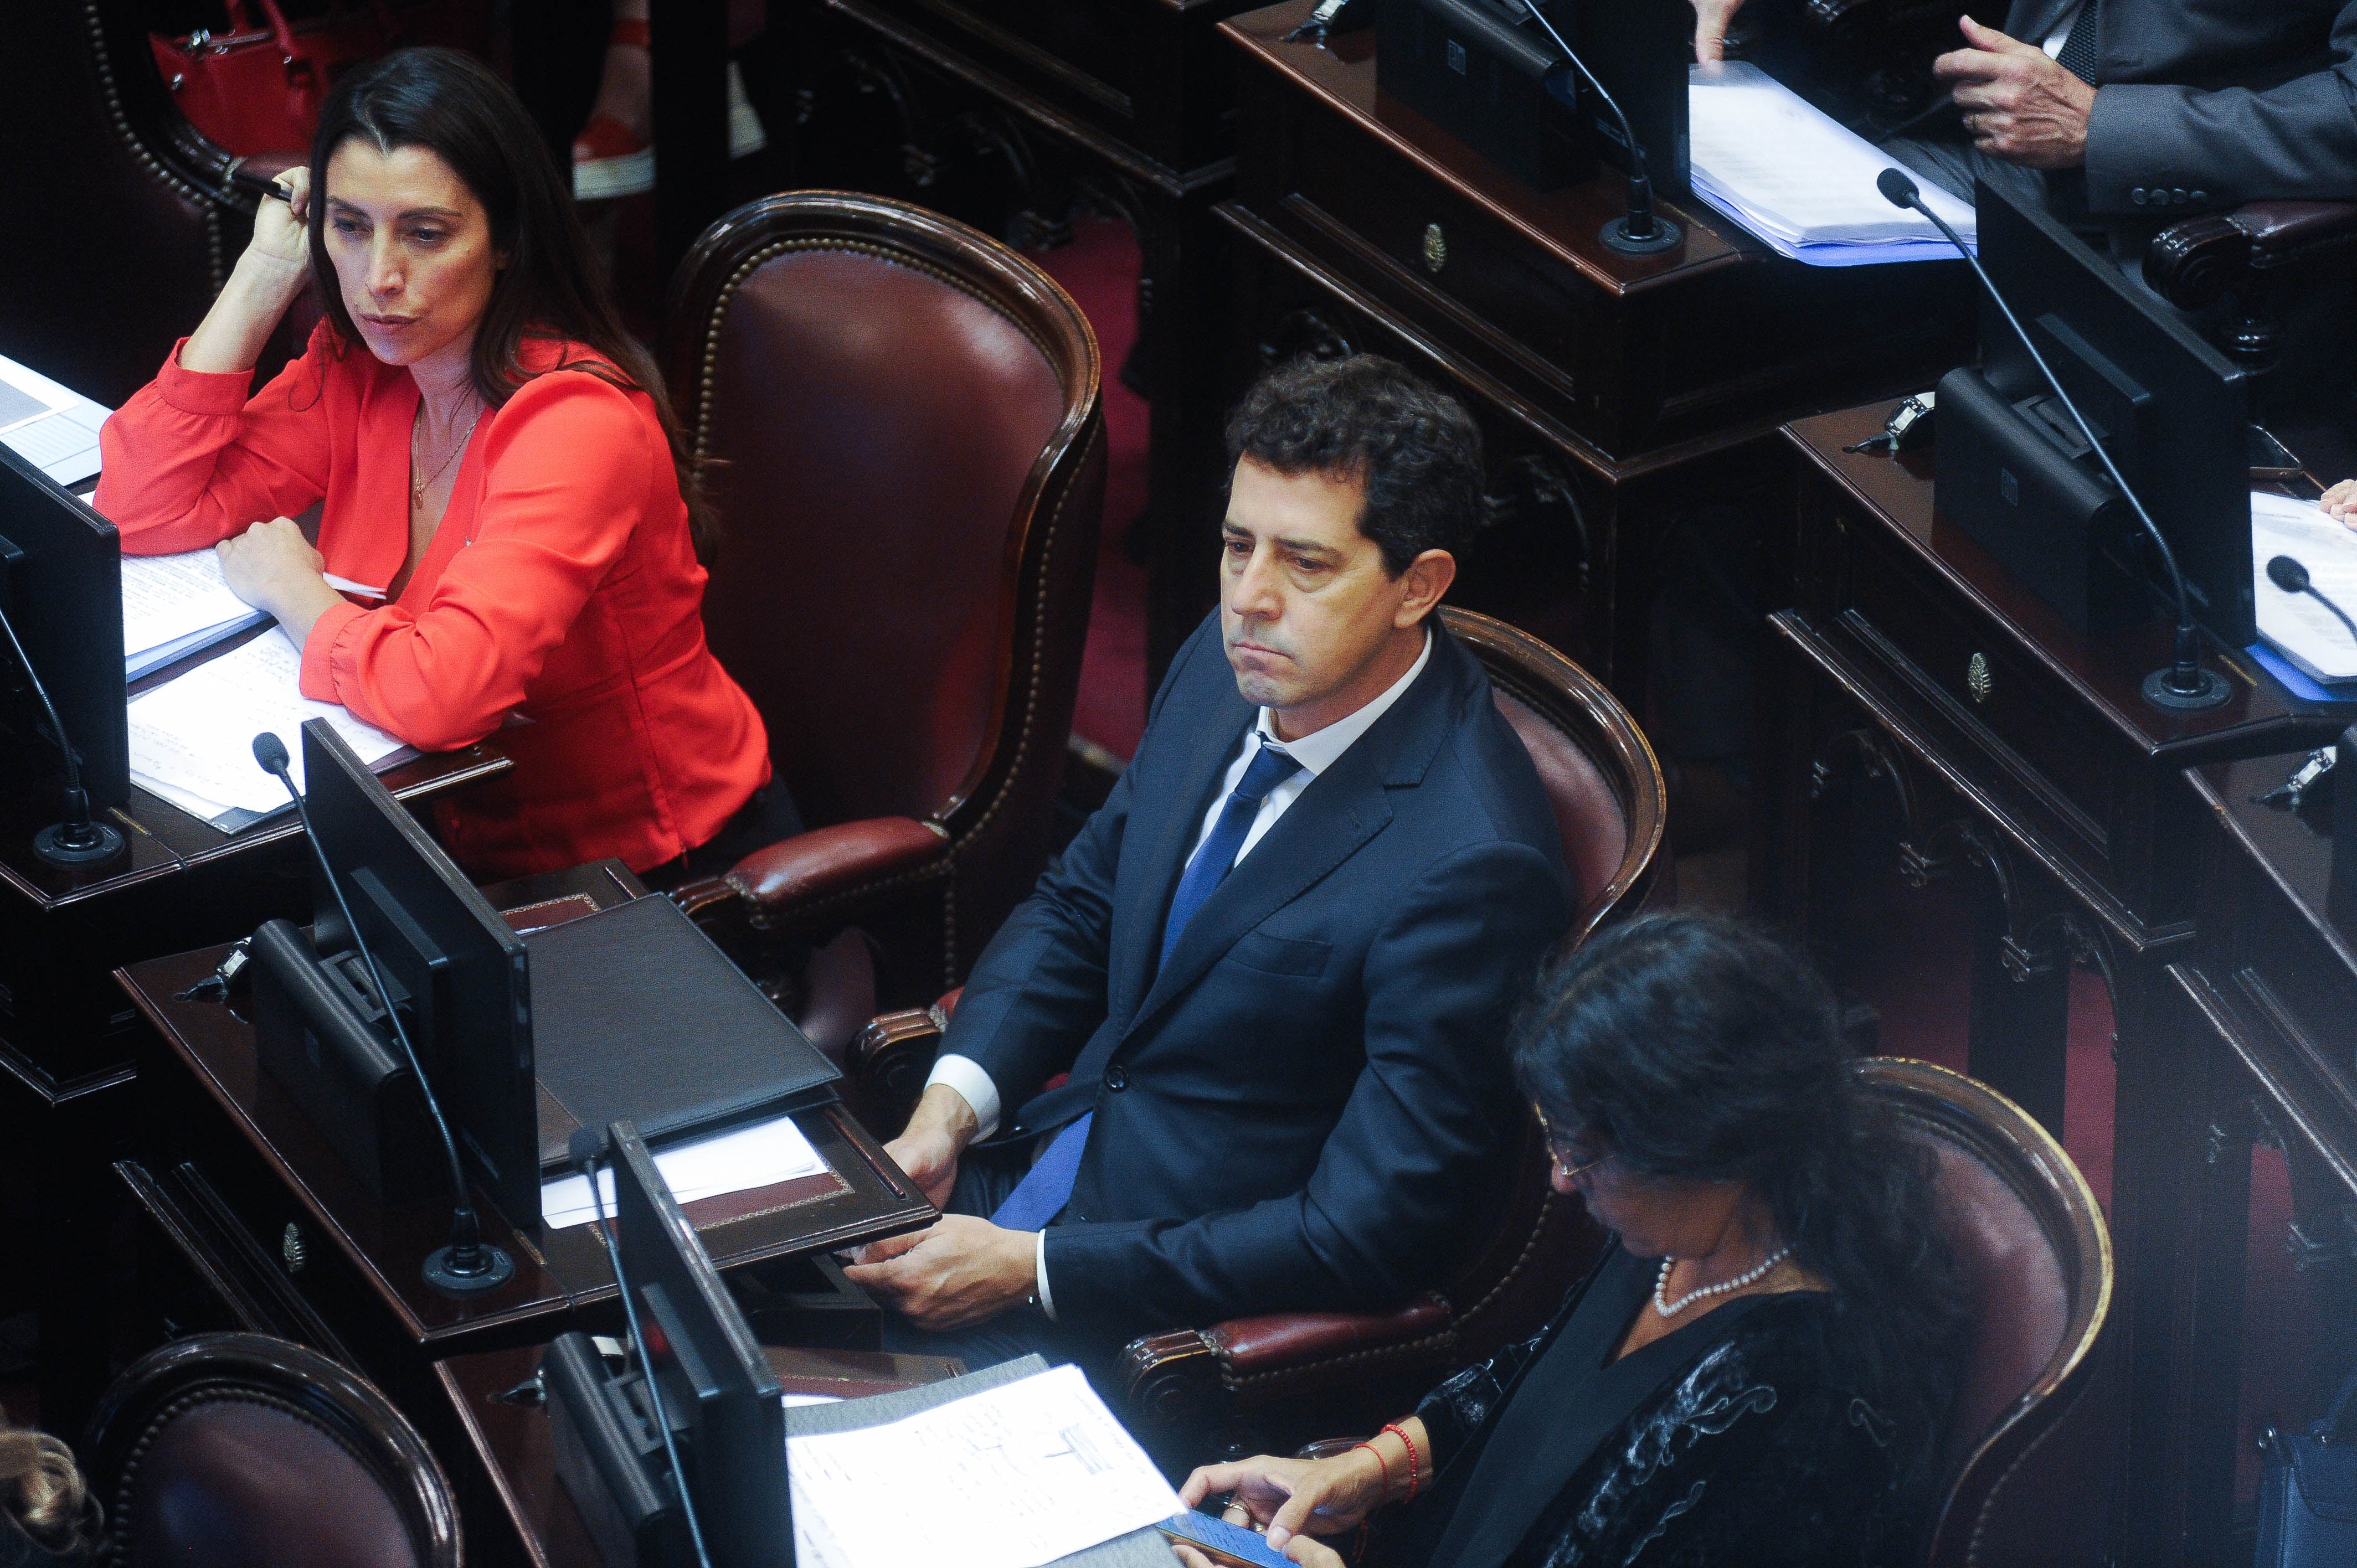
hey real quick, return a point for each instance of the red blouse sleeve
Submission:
(570, 466)
(191, 460)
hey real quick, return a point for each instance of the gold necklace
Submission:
(417, 491)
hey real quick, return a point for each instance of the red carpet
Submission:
(1099, 269)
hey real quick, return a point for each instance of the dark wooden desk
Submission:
(68, 1035)
(257, 1223)
(1614, 390)
(513, 1504)
(1933, 730)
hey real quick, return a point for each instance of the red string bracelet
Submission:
(1394, 1427)
(1381, 1463)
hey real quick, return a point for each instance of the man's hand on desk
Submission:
(960, 1271)
(1711, 18)
(929, 1146)
(273, 567)
(2018, 105)
(2341, 502)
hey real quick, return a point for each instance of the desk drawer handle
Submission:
(290, 1249)
(1976, 679)
(1436, 248)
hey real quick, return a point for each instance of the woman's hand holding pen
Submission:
(273, 567)
(274, 269)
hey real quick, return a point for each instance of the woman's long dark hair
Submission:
(1692, 1048)
(553, 287)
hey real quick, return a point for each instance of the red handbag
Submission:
(258, 89)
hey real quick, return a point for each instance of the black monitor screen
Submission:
(2172, 409)
(717, 1387)
(458, 968)
(61, 588)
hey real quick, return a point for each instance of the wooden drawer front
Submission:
(1391, 229)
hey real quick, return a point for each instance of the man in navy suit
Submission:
(1279, 964)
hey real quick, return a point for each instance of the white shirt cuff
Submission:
(1040, 1267)
(965, 1075)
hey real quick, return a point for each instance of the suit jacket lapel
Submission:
(1214, 734)
(2030, 20)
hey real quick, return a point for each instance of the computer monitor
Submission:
(61, 587)
(458, 968)
(2172, 409)
(1639, 50)
(723, 1400)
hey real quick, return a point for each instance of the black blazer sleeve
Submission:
(1422, 1123)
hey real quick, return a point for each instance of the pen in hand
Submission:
(259, 186)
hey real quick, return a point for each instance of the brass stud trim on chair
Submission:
(1976, 680)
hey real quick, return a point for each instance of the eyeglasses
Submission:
(1571, 1173)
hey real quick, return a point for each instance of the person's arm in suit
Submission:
(2235, 144)
(1425, 1127)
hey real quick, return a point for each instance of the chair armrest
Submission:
(890, 1057)
(1305, 1345)
(2284, 232)
(826, 871)
(2191, 263)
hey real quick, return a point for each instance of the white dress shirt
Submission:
(1316, 752)
(2062, 33)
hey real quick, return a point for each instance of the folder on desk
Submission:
(636, 1016)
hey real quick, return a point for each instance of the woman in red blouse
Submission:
(486, 442)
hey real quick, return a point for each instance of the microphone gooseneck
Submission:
(2184, 685)
(583, 1148)
(469, 1263)
(79, 839)
(1640, 231)
(2292, 577)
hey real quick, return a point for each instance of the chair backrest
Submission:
(1609, 801)
(2037, 1262)
(234, 1449)
(899, 419)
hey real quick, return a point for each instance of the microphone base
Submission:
(2161, 694)
(51, 844)
(439, 1275)
(1616, 238)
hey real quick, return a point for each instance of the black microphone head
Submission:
(583, 1146)
(2288, 574)
(271, 752)
(1897, 189)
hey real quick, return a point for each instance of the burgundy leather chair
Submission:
(1269, 1382)
(121, 224)
(898, 419)
(227, 1450)
(2022, 1481)
(2253, 256)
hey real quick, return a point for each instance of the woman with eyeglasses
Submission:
(1759, 1370)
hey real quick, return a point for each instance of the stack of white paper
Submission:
(193, 737)
(738, 1160)
(51, 426)
(2305, 633)
(1773, 162)
(175, 605)
(1010, 1477)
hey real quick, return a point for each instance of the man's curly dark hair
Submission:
(1417, 451)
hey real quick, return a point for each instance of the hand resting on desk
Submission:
(959, 1271)
(273, 567)
(2341, 502)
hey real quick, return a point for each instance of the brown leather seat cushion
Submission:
(2013, 1277)
(234, 1484)
(1586, 810)
(858, 401)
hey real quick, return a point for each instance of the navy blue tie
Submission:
(1213, 862)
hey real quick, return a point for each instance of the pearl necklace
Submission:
(1668, 1308)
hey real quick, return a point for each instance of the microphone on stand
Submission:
(79, 839)
(469, 1263)
(585, 1147)
(2184, 685)
(2292, 577)
(1640, 231)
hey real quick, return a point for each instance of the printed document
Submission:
(51, 426)
(193, 737)
(738, 1160)
(1014, 1477)
(2305, 633)
(175, 605)
(1796, 177)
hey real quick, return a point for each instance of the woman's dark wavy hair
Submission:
(1690, 1046)
(553, 287)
